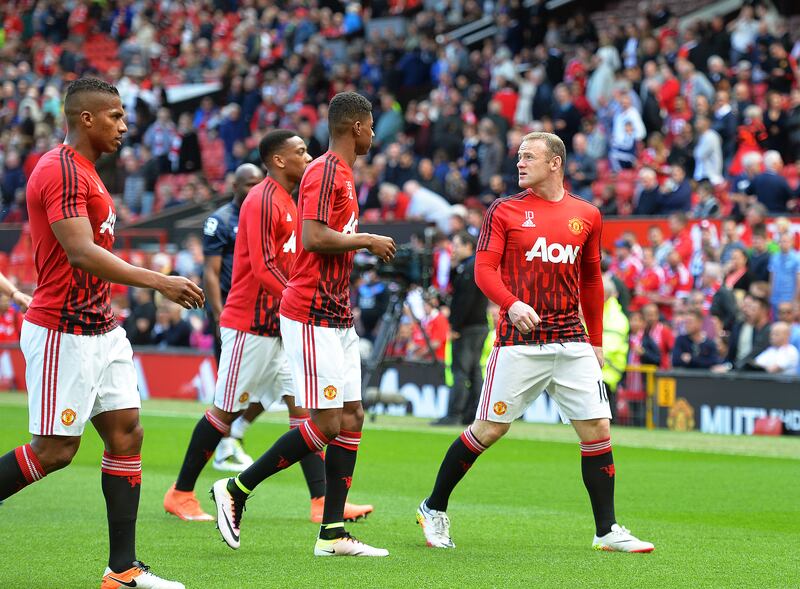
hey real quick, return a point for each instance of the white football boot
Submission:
(229, 512)
(620, 539)
(346, 546)
(138, 576)
(436, 526)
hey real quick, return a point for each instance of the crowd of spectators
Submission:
(693, 122)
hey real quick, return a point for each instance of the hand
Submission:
(182, 291)
(598, 351)
(454, 335)
(22, 300)
(383, 247)
(686, 357)
(523, 317)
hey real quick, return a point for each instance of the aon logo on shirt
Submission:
(107, 226)
(555, 253)
(351, 226)
(290, 245)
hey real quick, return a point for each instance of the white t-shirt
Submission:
(787, 357)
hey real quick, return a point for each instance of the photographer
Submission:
(468, 331)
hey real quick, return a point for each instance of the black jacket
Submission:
(468, 306)
(760, 343)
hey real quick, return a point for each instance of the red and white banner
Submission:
(161, 374)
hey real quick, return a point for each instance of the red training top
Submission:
(262, 258)
(64, 184)
(549, 258)
(318, 292)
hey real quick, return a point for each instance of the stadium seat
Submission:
(768, 426)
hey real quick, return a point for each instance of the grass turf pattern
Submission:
(725, 515)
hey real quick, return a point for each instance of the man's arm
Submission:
(591, 284)
(16, 295)
(211, 272)
(76, 236)
(321, 239)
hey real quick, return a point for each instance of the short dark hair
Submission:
(272, 143)
(467, 238)
(85, 86)
(760, 229)
(696, 313)
(345, 109)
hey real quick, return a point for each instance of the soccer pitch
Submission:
(722, 512)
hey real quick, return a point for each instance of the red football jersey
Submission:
(543, 245)
(64, 184)
(318, 292)
(262, 258)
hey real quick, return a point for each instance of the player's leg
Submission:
(30, 463)
(180, 499)
(340, 382)
(583, 399)
(515, 376)
(237, 347)
(230, 494)
(121, 480)
(115, 416)
(60, 398)
(230, 453)
(313, 464)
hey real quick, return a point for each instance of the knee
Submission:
(488, 432)
(353, 419)
(225, 417)
(127, 441)
(55, 453)
(329, 429)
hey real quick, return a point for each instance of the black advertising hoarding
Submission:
(725, 403)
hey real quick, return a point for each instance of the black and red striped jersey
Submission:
(318, 292)
(64, 185)
(262, 258)
(545, 247)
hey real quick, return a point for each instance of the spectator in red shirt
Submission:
(681, 236)
(436, 326)
(394, 202)
(660, 333)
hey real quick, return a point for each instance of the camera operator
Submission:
(469, 329)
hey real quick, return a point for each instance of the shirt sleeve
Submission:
(487, 277)
(215, 237)
(492, 237)
(591, 283)
(261, 245)
(63, 192)
(319, 191)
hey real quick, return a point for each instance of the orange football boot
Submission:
(138, 576)
(352, 512)
(184, 504)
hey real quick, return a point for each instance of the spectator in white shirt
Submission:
(780, 357)
(707, 153)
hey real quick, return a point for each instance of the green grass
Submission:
(722, 511)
